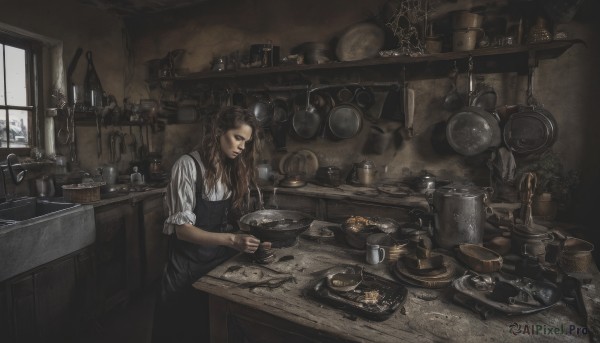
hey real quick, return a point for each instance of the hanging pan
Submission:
(280, 123)
(472, 130)
(306, 120)
(345, 121)
(532, 129)
(263, 110)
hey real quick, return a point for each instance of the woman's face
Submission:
(233, 142)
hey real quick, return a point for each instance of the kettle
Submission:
(362, 173)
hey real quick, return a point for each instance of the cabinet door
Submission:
(339, 210)
(117, 254)
(86, 285)
(5, 310)
(23, 314)
(154, 242)
(56, 301)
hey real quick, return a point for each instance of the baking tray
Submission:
(463, 286)
(392, 297)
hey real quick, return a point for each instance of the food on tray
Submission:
(357, 223)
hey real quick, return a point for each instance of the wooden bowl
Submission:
(478, 258)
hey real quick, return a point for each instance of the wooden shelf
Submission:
(541, 51)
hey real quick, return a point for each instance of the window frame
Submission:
(34, 65)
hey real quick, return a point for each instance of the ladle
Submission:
(453, 100)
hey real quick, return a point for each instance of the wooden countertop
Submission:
(428, 315)
(348, 192)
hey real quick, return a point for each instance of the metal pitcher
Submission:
(459, 215)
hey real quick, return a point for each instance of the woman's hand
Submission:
(245, 243)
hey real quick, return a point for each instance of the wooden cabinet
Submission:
(339, 210)
(24, 328)
(57, 301)
(117, 251)
(154, 242)
(47, 304)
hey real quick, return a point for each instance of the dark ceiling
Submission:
(133, 7)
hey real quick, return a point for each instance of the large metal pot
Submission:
(459, 215)
(275, 225)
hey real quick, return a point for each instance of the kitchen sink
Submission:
(27, 208)
(36, 231)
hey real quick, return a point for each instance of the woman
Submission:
(207, 186)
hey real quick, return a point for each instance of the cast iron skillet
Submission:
(472, 130)
(275, 225)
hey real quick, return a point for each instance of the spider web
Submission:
(404, 23)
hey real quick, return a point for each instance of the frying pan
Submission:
(532, 129)
(263, 111)
(345, 121)
(275, 225)
(472, 130)
(280, 123)
(306, 121)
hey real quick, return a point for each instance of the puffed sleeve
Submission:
(181, 194)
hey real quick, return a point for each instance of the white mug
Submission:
(375, 254)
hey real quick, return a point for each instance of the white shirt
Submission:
(181, 192)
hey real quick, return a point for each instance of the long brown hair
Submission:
(237, 174)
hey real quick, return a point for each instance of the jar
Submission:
(329, 176)
(363, 173)
(530, 241)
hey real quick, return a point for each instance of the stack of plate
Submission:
(428, 278)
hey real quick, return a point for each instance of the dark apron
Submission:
(181, 310)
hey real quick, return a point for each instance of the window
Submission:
(18, 92)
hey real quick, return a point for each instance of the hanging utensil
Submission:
(98, 136)
(92, 85)
(472, 130)
(532, 129)
(453, 100)
(306, 122)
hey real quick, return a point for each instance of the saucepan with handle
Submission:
(275, 225)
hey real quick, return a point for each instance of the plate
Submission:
(311, 162)
(429, 281)
(395, 191)
(360, 41)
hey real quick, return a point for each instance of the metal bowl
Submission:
(275, 225)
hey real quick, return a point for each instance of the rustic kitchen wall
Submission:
(564, 85)
(210, 30)
(75, 25)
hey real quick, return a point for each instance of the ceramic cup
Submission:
(375, 254)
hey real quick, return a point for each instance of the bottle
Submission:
(136, 177)
(92, 86)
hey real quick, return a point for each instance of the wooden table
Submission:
(287, 314)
